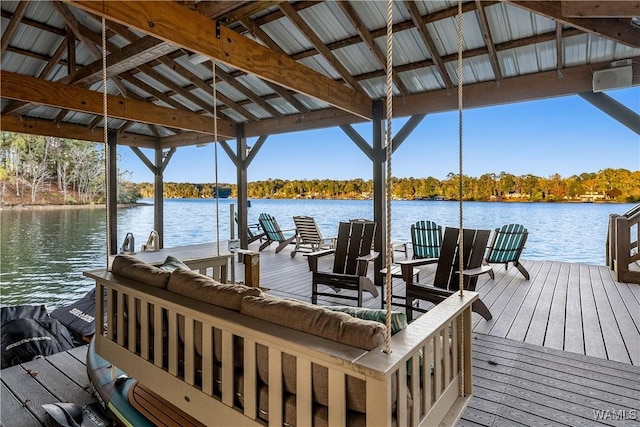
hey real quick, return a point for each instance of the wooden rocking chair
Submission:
(352, 255)
(445, 282)
(273, 233)
(309, 238)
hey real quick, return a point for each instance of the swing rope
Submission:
(388, 193)
(215, 153)
(105, 136)
(461, 321)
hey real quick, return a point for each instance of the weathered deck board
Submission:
(565, 306)
(517, 383)
(56, 378)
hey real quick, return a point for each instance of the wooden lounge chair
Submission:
(426, 239)
(507, 245)
(273, 233)
(352, 255)
(308, 237)
(254, 231)
(445, 282)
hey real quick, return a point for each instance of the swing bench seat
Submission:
(227, 354)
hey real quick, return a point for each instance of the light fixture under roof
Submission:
(197, 58)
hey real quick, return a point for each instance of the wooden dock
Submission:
(562, 348)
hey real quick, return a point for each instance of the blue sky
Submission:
(564, 135)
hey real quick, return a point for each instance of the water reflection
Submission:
(44, 252)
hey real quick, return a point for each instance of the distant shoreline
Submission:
(131, 205)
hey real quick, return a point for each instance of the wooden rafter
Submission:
(608, 28)
(600, 9)
(233, 11)
(13, 25)
(63, 130)
(488, 41)
(366, 37)
(188, 29)
(320, 46)
(421, 26)
(73, 23)
(30, 89)
(120, 60)
(559, 49)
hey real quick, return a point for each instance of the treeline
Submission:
(34, 169)
(48, 168)
(616, 185)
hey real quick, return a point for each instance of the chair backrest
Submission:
(354, 240)
(474, 246)
(307, 229)
(507, 243)
(426, 239)
(271, 227)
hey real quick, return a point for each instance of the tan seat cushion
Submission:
(316, 320)
(202, 288)
(133, 268)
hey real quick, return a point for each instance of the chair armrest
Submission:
(417, 262)
(474, 272)
(312, 258)
(369, 257)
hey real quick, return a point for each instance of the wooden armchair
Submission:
(352, 255)
(446, 280)
(273, 233)
(507, 245)
(309, 238)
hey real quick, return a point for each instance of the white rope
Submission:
(215, 153)
(388, 193)
(105, 135)
(461, 322)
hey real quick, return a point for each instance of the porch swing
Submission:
(240, 358)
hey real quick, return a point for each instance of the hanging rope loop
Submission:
(461, 322)
(215, 153)
(388, 192)
(105, 135)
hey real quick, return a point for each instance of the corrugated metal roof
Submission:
(507, 23)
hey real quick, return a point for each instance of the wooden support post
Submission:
(251, 261)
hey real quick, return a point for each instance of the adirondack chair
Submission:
(352, 255)
(254, 231)
(309, 238)
(446, 280)
(273, 233)
(426, 239)
(507, 245)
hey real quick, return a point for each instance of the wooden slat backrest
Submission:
(426, 239)
(271, 227)
(354, 240)
(474, 245)
(307, 229)
(508, 242)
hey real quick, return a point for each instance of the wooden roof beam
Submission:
(66, 130)
(185, 28)
(600, 9)
(608, 28)
(58, 95)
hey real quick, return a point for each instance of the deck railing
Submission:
(439, 342)
(622, 245)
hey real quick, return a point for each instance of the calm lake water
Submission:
(44, 252)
